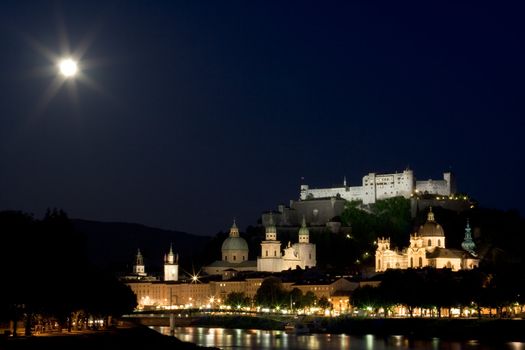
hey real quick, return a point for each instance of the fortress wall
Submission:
(382, 186)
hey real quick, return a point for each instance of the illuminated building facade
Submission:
(427, 248)
(298, 255)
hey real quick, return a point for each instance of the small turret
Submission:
(304, 233)
(234, 230)
(430, 216)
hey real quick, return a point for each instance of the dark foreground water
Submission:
(260, 339)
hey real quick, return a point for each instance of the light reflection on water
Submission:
(262, 339)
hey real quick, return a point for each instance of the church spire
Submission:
(170, 258)
(468, 244)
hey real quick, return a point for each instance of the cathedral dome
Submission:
(234, 241)
(431, 228)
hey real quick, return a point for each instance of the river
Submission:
(261, 339)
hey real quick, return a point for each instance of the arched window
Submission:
(267, 253)
(310, 256)
(275, 253)
(429, 242)
(234, 258)
(411, 262)
(379, 263)
(420, 262)
(226, 257)
(243, 258)
(387, 265)
(439, 243)
(449, 265)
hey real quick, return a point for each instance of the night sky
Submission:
(190, 113)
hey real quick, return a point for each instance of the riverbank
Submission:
(128, 336)
(444, 328)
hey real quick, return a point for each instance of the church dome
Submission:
(431, 228)
(234, 241)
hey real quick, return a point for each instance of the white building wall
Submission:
(452, 263)
(306, 253)
(270, 264)
(442, 187)
(390, 259)
(171, 272)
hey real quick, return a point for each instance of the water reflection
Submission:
(261, 339)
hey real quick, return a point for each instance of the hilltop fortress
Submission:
(381, 186)
(321, 207)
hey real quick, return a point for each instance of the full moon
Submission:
(68, 67)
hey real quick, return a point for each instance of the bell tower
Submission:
(138, 268)
(171, 266)
(271, 258)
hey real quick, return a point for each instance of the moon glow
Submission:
(68, 68)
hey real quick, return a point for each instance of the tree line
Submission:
(442, 289)
(48, 278)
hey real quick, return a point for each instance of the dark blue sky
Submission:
(199, 111)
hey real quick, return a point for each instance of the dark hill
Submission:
(113, 245)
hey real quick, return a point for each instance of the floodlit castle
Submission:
(301, 254)
(427, 248)
(381, 186)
